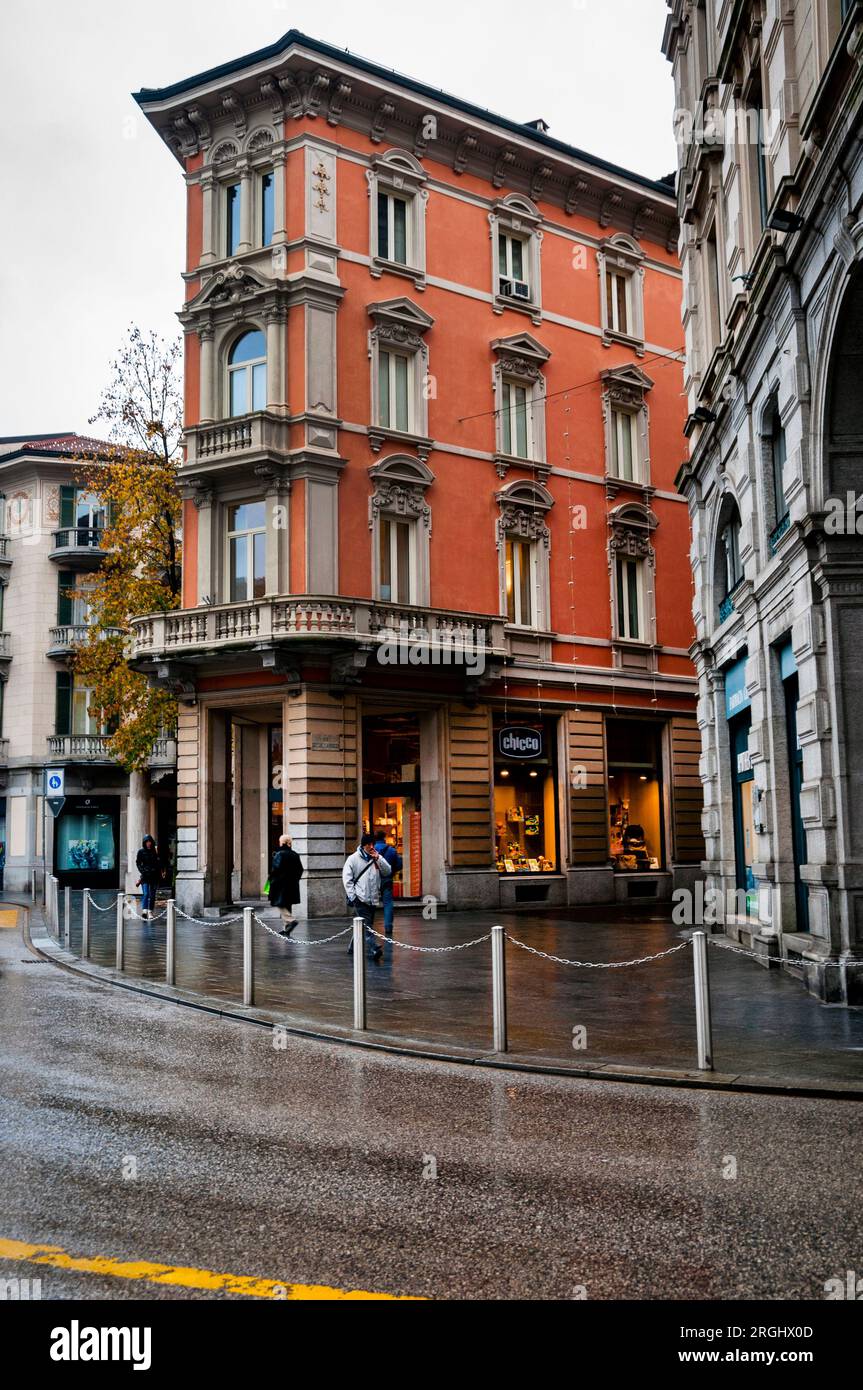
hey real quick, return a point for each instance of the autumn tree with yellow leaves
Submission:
(136, 482)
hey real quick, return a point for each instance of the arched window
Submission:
(729, 569)
(778, 454)
(247, 373)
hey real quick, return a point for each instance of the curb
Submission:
(41, 944)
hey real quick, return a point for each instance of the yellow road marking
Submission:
(183, 1277)
(8, 918)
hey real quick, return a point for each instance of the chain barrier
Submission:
(720, 944)
(323, 941)
(112, 907)
(428, 950)
(596, 964)
(153, 916)
(209, 921)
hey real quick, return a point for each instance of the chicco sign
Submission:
(514, 742)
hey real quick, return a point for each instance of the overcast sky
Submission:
(91, 231)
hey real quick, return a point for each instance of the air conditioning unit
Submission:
(515, 289)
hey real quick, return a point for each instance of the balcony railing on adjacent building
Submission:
(93, 747)
(79, 543)
(64, 639)
(311, 619)
(4, 750)
(5, 646)
(5, 553)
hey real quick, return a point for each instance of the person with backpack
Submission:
(362, 875)
(286, 871)
(394, 859)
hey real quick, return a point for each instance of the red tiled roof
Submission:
(68, 445)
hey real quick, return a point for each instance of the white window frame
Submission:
(621, 255)
(399, 486)
(247, 368)
(524, 508)
(398, 174)
(624, 396)
(250, 534)
(517, 545)
(399, 329)
(388, 356)
(516, 217)
(520, 363)
(631, 527)
(95, 727)
(621, 568)
(410, 526)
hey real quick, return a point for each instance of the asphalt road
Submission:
(151, 1136)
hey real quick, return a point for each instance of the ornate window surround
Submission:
(518, 216)
(623, 255)
(521, 359)
(524, 508)
(233, 300)
(232, 160)
(400, 325)
(399, 485)
(631, 526)
(401, 173)
(625, 388)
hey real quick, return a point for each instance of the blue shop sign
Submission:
(736, 695)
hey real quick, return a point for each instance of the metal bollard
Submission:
(703, 1027)
(170, 941)
(248, 958)
(85, 925)
(33, 885)
(498, 987)
(67, 916)
(121, 930)
(55, 906)
(359, 975)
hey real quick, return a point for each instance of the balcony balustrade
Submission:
(249, 437)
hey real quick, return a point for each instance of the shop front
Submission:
(392, 792)
(86, 842)
(791, 695)
(526, 817)
(739, 715)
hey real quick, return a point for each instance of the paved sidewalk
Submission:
(764, 1023)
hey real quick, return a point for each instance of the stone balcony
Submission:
(91, 748)
(5, 646)
(273, 631)
(4, 750)
(5, 552)
(246, 439)
(63, 640)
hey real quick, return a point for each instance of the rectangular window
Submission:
(629, 600)
(779, 454)
(63, 706)
(619, 301)
(83, 722)
(526, 801)
(268, 207)
(247, 551)
(714, 299)
(392, 228)
(232, 219)
(395, 561)
(514, 421)
(519, 582)
(512, 259)
(394, 402)
(624, 446)
(73, 608)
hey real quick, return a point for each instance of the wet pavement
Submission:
(764, 1023)
(135, 1130)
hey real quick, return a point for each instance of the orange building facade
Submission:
(437, 577)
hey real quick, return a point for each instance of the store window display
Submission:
(525, 798)
(634, 795)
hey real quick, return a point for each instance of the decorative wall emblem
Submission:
(320, 187)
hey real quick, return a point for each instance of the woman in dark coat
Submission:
(285, 874)
(150, 869)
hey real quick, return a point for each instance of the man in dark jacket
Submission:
(394, 859)
(286, 871)
(150, 870)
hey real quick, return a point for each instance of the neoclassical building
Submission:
(433, 551)
(51, 545)
(770, 196)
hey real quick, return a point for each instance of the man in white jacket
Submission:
(361, 876)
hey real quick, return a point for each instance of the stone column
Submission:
(207, 375)
(208, 231)
(206, 577)
(137, 824)
(246, 199)
(276, 326)
(280, 233)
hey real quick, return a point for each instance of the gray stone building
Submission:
(51, 542)
(770, 196)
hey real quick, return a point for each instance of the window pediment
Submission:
(520, 351)
(399, 169)
(400, 320)
(234, 285)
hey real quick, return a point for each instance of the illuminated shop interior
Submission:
(634, 795)
(525, 807)
(391, 792)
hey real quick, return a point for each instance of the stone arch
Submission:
(842, 433)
